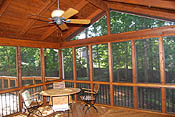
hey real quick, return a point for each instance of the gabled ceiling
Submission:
(15, 21)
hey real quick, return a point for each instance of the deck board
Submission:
(106, 111)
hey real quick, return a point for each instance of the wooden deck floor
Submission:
(106, 111)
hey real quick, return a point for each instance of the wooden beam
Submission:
(4, 6)
(27, 43)
(150, 3)
(99, 4)
(142, 10)
(133, 35)
(44, 9)
(51, 30)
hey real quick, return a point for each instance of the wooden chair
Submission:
(31, 102)
(89, 97)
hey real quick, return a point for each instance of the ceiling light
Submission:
(57, 13)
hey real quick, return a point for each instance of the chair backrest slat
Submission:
(96, 88)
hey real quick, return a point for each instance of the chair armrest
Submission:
(91, 92)
(86, 89)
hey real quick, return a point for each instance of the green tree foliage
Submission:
(51, 62)
(169, 47)
(122, 22)
(68, 63)
(30, 61)
(7, 61)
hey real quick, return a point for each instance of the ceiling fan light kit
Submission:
(57, 13)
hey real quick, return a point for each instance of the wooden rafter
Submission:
(41, 11)
(99, 4)
(141, 10)
(4, 6)
(77, 7)
(150, 3)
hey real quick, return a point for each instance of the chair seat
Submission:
(88, 97)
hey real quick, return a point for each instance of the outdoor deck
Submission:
(106, 111)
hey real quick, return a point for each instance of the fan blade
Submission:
(69, 13)
(63, 26)
(78, 21)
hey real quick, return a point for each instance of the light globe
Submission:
(57, 13)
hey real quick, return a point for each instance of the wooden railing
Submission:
(31, 78)
(148, 98)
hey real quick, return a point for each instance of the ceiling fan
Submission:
(60, 18)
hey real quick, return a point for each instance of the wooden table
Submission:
(60, 92)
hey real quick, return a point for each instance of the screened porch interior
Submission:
(128, 48)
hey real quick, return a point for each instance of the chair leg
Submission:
(95, 108)
(87, 109)
(85, 106)
(91, 105)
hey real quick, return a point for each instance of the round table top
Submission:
(60, 92)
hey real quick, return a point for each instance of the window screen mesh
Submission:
(82, 63)
(67, 64)
(169, 47)
(122, 62)
(100, 62)
(147, 58)
(51, 63)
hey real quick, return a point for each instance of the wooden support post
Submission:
(134, 67)
(19, 73)
(162, 73)
(108, 22)
(111, 73)
(91, 66)
(74, 69)
(43, 71)
(60, 64)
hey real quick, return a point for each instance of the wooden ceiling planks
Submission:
(100, 4)
(4, 5)
(41, 11)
